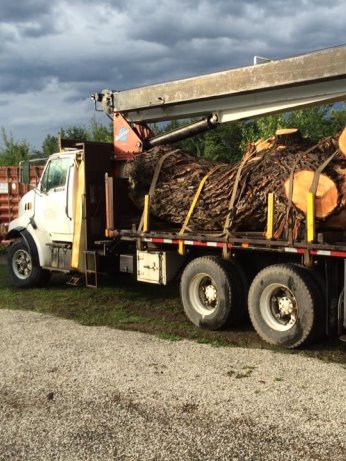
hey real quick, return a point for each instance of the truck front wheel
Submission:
(24, 272)
(284, 306)
(212, 293)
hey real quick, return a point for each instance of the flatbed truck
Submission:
(80, 219)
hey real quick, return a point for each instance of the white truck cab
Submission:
(53, 206)
(61, 218)
(45, 217)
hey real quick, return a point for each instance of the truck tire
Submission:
(283, 305)
(212, 293)
(24, 272)
(318, 286)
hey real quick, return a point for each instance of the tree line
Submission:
(224, 143)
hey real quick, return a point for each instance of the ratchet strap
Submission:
(193, 205)
(154, 182)
(314, 184)
(310, 201)
(231, 204)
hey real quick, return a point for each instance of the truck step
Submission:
(91, 273)
(76, 280)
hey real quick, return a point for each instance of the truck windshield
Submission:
(55, 174)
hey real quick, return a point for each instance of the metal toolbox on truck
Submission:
(158, 267)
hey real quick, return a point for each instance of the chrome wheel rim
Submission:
(22, 264)
(278, 307)
(203, 294)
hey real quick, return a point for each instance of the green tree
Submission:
(313, 123)
(267, 125)
(50, 145)
(223, 143)
(13, 151)
(95, 131)
(75, 132)
(100, 132)
(338, 118)
(249, 132)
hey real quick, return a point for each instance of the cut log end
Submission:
(342, 142)
(326, 198)
(288, 136)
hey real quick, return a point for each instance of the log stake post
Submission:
(109, 205)
(181, 248)
(225, 253)
(310, 217)
(146, 213)
(270, 216)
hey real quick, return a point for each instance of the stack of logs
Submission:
(285, 165)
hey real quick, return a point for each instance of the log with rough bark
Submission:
(342, 142)
(285, 165)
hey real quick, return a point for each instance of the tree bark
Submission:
(264, 170)
(342, 142)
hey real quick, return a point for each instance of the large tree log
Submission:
(326, 197)
(342, 142)
(269, 168)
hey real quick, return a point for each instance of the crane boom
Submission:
(277, 86)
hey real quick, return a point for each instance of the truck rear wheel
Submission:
(24, 272)
(212, 293)
(283, 305)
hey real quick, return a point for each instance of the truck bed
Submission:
(237, 241)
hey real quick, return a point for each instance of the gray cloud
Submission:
(24, 10)
(54, 54)
(26, 18)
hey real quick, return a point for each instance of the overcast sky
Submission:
(54, 53)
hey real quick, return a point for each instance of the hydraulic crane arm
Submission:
(288, 84)
(278, 86)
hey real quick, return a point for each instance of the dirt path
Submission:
(70, 392)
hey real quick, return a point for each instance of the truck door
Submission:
(97, 157)
(53, 203)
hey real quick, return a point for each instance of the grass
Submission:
(118, 303)
(121, 303)
(169, 336)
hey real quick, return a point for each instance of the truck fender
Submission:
(20, 232)
(32, 246)
(15, 233)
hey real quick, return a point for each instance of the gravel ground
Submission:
(69, 392)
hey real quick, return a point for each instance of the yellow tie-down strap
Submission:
(181, 250)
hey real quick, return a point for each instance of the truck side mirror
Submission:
(25, 172)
